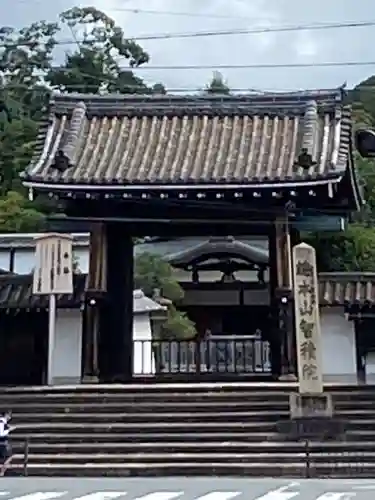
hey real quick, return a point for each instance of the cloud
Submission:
(268, 48)
(306, 46)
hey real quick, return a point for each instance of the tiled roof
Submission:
(175, 141)
(27, 240)
(336, 289)
(347, 288)
(225, 245)
(16, 293)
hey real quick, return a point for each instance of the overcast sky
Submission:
(349, 44)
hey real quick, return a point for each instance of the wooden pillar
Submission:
(117, 318)
(94, 292)
(282, 308)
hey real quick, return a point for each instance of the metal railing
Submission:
(221, 354)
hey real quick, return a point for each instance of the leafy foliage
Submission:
(352, 250)
(17, 214)
(94, 67)
(27, 76)
(152, 273)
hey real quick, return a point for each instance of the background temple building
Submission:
(234, 307)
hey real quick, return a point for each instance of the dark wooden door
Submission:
(22, 348)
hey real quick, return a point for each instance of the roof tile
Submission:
(347, 288)
(16, 292)
(185, 140)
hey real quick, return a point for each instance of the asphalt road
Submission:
(184, 489)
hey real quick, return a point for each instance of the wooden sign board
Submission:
(53, 273)
(308, 332)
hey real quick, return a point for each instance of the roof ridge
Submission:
(62, 102)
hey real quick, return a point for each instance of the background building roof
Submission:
(16, 292)
(336, 289)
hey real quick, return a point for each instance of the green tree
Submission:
(24, 55)
(17, 214)
(362, 98)
(152, 274)
(98, 64)
(354, 249)
(351, 250)
(101, 61)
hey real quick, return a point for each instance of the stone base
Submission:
(90, 379)
(311, 418)
(310, 405)
(288, 377)
(312, 429)
(66, 381)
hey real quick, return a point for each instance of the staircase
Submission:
(181, 429)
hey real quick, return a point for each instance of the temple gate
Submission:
(128, 166)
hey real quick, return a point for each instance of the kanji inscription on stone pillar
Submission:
(307, 314)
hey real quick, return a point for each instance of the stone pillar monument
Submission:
(311, 408)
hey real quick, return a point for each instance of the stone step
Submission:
(128, 413)
(162, 425)
(175, 387)
(260, 399)
(145, 427)
(145, 407)
(124, 417)
(125, 397)
(188, 436)
(183, 386)
(168, 403)
(295, 469)
(158, 426)
(261, 407)
(199, 457)
(139, 437)
(272, 447)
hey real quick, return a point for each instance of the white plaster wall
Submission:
(4, 260)
(67, 352)
(143, 361)
(338, 344)
(24, 259)
(370, 368)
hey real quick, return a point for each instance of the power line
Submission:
(219, 67)
(258, 66)
(180, 14)
(137, 87)
(203, 15)
(198, 34)
(260, 30)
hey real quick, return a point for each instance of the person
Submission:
(5, 448)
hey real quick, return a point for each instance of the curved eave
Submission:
(117, 187)
(209, 249)
(353, 179)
